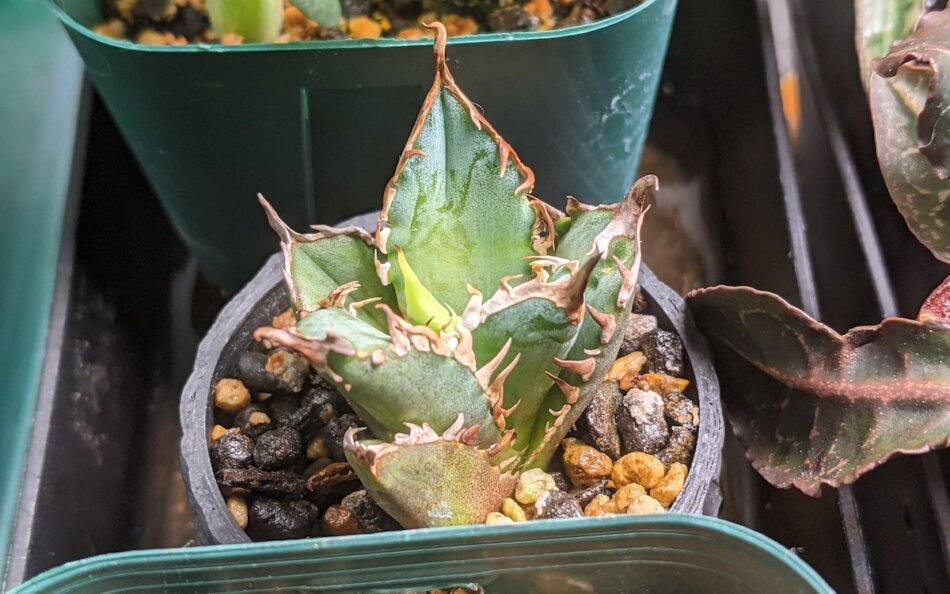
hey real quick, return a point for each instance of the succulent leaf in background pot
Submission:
(469, 334)
(255, 21)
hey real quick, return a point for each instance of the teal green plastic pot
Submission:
(672, 554)
(318, 127)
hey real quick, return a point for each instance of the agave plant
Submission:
(470, 330)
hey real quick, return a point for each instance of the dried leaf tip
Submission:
(438, 47)
(643, 189)
(276, 223)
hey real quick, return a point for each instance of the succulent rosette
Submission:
(470, 331)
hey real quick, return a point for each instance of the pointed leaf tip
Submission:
(472, 191)
(284, 232)
(438, 46)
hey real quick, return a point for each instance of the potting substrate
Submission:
(278, 456)
(882, 534)
(177, 22)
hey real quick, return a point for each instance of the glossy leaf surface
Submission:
(878, 24)
(910, 93)
(836, 405)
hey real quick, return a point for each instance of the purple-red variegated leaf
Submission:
(816, 407)
(937, 305)
(909, 103)
(877, 25)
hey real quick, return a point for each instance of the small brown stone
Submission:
(645, 505)
(217, 432)
(258, 418)
(514, 511)
(318, 448)
(498, 519)
(338, 521)
(540, 8)
(626, 369)
(638, 467)
(113, 28)
(531, 484)
(662, 383)
(626, 495)
(237, 505)
(458, 25)
(512, 18)
(669, 487)
(584, 465)
(232, 39)
(230, 395)
(367, 512)
(557, 504)
(411, 33)
(363, 27)
(601, 505)
(150, 37)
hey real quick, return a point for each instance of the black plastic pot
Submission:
(266, 296)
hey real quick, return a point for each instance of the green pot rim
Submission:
(342, 44)
(263, 553)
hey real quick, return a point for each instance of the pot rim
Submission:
(348, 44)
(265, 556)
(700, 493)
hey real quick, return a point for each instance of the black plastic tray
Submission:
(103, 472)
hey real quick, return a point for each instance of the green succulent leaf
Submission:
(533, 323)
(878, 24)
(612, 232)
(255, 21)
(423, 479)
(408, 376)
(836, 405)
(457, 204)
(909, 98)
(317, 264)
(326, 13)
